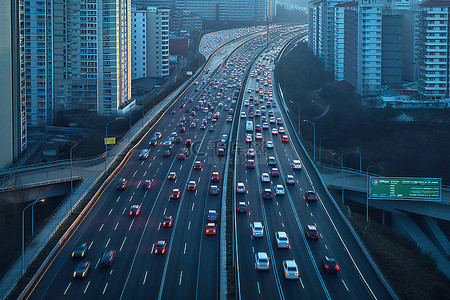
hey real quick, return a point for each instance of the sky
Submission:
(298, 2)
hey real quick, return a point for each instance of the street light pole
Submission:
(106, 139)
(71, 177)
(320, 145)
(32, 214)
(367, 194)
(342, 179)
(314, 138)
(23, 229)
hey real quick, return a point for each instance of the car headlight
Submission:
(74, 274)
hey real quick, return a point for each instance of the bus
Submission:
(249, 126)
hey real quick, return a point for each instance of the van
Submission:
(249, 126)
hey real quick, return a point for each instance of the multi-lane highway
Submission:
(188, 268)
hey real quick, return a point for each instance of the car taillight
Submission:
(317, 235)
(278, 243)
(287, 273)
(308, 235)
(210, 191)
(337, 268)
(131, 213)
(156, 250)
(296, 273)
(163, 250)
(327, 267)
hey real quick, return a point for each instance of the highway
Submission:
(189, 267)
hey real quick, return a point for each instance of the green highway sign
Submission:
(409, 188)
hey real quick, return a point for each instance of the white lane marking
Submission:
(107, 243)
(253, 249)
(277, 203)
(121, 246)
(139, 183)
(96, 265)
(89, 282)
(110, 272)
(321, 236)
(124, 210)
(345, 285)
(142, 163)
(110, 212)
(157, 170)
(129, 228)
(311, 214)
(90, 245)
(246, 180)
(115, 227)
(104, 290)
(326, 247)
(249, 213)
(101, 227)
(301, 282)
(154, 157)
(196, 192)
(150, 165)
(184, 251)
(145, 277)
(164, 211)
(181, 167)
(176, 180)
(67, 288)
(161, 163)
(145, 173)
(181, 276)
(189, 225)
(192, 209)
(159, 226)
(135, 173)
(199, 179)
(131, 198)
(282, 224)
(118, 198)
(279, 213)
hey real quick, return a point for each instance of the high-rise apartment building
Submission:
(325, 32)
(12, 82)
(150, 42)
(434, 49)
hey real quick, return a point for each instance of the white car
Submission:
(281, 129)
(243, 115)
(274, 131)
(282, 239)
(265, 177)
(240, 188)
(290, 269)
(279, 189)
(296, 165)
(265, 125)
(270, 144)
(261, 261)
(257, 229)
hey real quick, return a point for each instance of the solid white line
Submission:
(123, 243)
(145, 277)
(87, 287)
(181, 276)
(184, 251)
(101, 227)
(67, 288)
(107, 243)
(129, 228)
(116, 226)
(104, 290)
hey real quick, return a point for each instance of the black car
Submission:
(311, 196)
(147, 184)
(274, 172)
(82, 269)
(242, 207)
(250, 164)
(311, 232)
(167, 221)
(80, 251)
(121, 184)
(329, 264)
(221, 152)
(267, 194)
(160, 247)
(153, 141)
(178, 140)
(108, 258)
(166, 153)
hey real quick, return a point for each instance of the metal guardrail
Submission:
(41, 183)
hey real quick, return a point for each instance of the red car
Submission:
(285, 138)
(135, 210)
(197, 165)
(167, 221)
(215, 176)
(211, 228)
(175, 194)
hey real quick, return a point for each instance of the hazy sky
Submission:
(298, 2)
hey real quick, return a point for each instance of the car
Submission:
(270, 144)
(198, 165)
(274, 131)
(311, 196)
(144, 154)
(250, 153)
(270, 113)
(224, 137)
(153, 141)
(107, 258)
(272, 120)
(281, 129)
(282, 239)
(242, 207)
(279, 190)
(248, 138)
(121, 184)
(173, 134)
(175, 194)
(147, 184)
(285, 138)
(329, 264)
(267, 194)
(265, 125)
(193, 125)
(167, 221)
(172, 176)
(178, 140)
(290, 269)
(229, 118)
(80, 251)
(279, 121)
(158, 135)
(191, 185)
(250, 164)
(160, 247)
(258, 136)
(168, 144)
(182, 129)
(135, 210)
(214, 190)
(215, 176)
(296, 165)
(243, 115)
(82, 269)
(240, 188)
(212, 127)
(261, 261)
(275, 172)
(220, 152)
(271, 161)
(212, 216)
(311, 232)
(182, 154)
(257, 229)
(203, 127)
(210, 228)
(166, 153)
(265, 177)
(290, 179)
(188, 142)
(172, 112)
